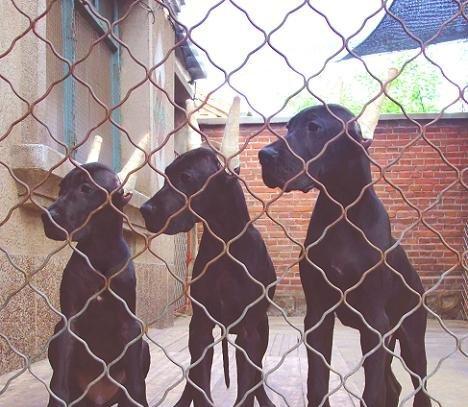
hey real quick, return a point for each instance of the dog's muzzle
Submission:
(146, 211)
(268, 158)
(285, 174)
(50, 229)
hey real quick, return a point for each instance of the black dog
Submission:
(341, 255)
(225, 288)
(105, 325)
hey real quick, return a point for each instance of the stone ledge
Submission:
(37, 158)
(31, 163)
(28, 321)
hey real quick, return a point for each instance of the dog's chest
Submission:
(104, 314)
(223, 286)
(342, 255)
(106, 303)
(100, 299)
(227, 306)
(224, 295)
(104, 390)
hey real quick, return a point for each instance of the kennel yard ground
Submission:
(447, 385)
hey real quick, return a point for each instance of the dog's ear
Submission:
(126, 198)
(366, 142)
(355, 132)
(228, 177)
(122, 198)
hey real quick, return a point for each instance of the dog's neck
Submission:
(229, 213)
(344, 184)
(105, 246)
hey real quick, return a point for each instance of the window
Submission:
(81, 25)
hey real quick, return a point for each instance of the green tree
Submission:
(415, 89)
(301, 101)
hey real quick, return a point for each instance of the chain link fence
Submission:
(465, 277)
(113, 82)
(181, 251)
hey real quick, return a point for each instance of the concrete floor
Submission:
(447, 384)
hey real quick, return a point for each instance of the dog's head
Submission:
(308, 132)
(188, 175)
(78, 197)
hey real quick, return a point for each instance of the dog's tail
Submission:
(392, 342)
(224, 345)
(391, 346)
(393, 386)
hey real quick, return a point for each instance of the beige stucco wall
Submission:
(26, 313)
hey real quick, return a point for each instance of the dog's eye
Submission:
(312, 126)
(185, 177)
(86, 189)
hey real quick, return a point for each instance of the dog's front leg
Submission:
(60, 357)
(375, 389)
(260, 393)
(200, 339)
(319, 341)
(137, 362)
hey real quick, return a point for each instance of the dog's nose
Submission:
(267, 155)
(44, 217)
(146, 210)
(51, 213)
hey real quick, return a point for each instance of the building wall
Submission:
(421, 175)
(30, 270)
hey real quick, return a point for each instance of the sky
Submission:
(306, 39)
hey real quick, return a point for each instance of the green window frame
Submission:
(68, 10)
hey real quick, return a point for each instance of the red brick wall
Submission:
(420, 173)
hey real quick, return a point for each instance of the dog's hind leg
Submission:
(413, 351)
(260, 393)
(320, 340)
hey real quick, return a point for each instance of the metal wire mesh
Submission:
(180, 268)
(85, 70)
(465, 276)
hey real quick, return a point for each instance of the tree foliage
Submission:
(415, 89)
